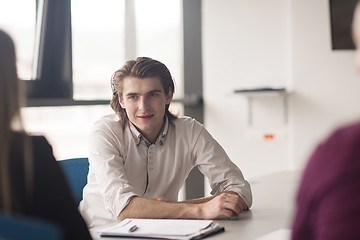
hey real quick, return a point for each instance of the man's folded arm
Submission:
(223, 205)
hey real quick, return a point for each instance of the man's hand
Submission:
(225, 205)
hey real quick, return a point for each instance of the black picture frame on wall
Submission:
(341, 15)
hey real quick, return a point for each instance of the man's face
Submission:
(144, 100)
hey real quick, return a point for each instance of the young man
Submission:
(140, 156)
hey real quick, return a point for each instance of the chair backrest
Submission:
(76, 171)
(16, 227)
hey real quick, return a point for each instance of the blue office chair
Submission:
(14, 227)
(76, 170)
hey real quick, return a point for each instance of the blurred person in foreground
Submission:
(31, 181)
(328, 200)
(141, 155)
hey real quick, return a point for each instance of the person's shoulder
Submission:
(35, 142)
(341, 147)
(347, 133)
(40, 144)
(336, 157)
(36, 139)
(352, 128)
(110, 121)
(186, 121)
(187, 126)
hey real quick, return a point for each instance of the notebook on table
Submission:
(163, 229)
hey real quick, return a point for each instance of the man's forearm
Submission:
(148, 208)
(199, 200)
(222, 205)
(204, 199)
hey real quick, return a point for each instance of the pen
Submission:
(133, 228)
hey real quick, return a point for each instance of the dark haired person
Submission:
(141, 155)
(31, 181)
(329, 194)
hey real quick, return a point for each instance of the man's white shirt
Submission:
(124, 164)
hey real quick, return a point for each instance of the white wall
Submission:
(327, 87)
(252, 43)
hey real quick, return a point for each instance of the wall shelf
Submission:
(251, 93)
(261, 91)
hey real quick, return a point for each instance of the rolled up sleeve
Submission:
(107, 165)
(214, 163)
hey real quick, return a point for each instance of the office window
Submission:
(97, 46)
(98, 49)
(99, 41)
(67, 128)
(159, 35)
(17, 18)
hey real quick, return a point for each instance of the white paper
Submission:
(167, 228)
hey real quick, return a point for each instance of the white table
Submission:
(272, 209)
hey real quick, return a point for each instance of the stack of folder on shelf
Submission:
(162, 229)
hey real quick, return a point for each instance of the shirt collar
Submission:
(138, 136)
